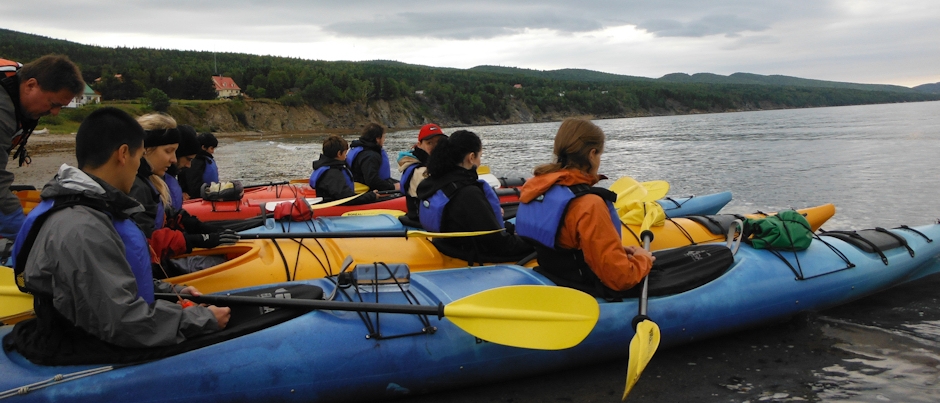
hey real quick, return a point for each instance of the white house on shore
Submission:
(225, 87)
(89, 96)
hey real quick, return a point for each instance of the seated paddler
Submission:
(453, 199)
(573, 225)
(87, 263)
(331, 177)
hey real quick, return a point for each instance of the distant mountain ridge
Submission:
(929, 88)
(700, 78)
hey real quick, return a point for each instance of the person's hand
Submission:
(638, 251)
(191, 291)
(398, 186)
(222, 315)
(227, 237)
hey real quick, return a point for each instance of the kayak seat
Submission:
(675, 271)
(717, 224)
(876, 240)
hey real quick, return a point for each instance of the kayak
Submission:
(257, 199)
(673, 206)
(335, 356)
(267, 261)
(270, 261)
(694, 205)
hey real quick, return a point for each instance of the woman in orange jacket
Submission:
(574, 225)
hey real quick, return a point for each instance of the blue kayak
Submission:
(674, 207)
(333, 356)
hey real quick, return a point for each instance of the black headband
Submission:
(161, 137)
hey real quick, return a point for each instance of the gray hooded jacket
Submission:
(78, 257)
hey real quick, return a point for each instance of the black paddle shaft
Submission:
(226, 300)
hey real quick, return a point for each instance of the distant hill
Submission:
(563, 74)
(397, 94)
(929, 88)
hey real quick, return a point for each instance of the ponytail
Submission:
(450, 152)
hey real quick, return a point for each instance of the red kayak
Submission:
(255, 198)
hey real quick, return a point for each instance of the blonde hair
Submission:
(158, 121)
(573, 144)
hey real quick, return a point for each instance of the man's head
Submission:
(428, 137)
(47, 84)
(335, 147)
(208, 142)
(109, 144)
(373, 133)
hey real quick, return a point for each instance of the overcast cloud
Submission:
(849, 40)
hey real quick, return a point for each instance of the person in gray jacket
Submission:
(87, 263)
(41, 87)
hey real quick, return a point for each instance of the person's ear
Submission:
(123, 154)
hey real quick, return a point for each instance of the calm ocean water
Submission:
(875, 163)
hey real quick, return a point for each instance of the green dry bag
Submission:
(788, 230)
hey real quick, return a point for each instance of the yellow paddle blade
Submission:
(360, 187)
(334, 202)
(528, 316)
(417, 232)
(376, 211)
(642, 348)
(650, 214)
(627, 190)
(12, 301)
(655, 190)
(299, 181)
(483, 170)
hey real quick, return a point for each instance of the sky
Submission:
(861, 41)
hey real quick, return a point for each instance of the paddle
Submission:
(525, 316)
(628, 190)
(258, 185)
(647, 335)
(367, 234)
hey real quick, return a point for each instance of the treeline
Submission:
(468, 96)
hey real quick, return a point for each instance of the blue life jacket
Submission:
(160, 219)
(406, 176)
(431, 210)
(318, 173)
(211, 174)
(136, 248)
(384, 171)
(176, 192)
(540, 220)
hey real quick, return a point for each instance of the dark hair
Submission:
(207, 140)
(102, 133)
(54, 73)
(450, 151)
(372, 132)
(333, 145)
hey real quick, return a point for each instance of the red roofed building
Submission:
(225, 87)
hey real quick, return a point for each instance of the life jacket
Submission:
(431, 210)
(25, 127)
(211, 174)
(406, 176)
(539, 222)
(176, 192)
(319, 172)
(136, 248)
(384, 171)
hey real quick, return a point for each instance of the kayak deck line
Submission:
(60, 378)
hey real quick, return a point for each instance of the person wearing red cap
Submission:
(411, 164)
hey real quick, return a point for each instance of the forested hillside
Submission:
(485, 94)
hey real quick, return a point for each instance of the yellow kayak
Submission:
(258, 262)
(270, 261)
(14, 305)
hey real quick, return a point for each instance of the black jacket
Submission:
(365, 168)
(332, 184)
(468, 210)
(191, 178)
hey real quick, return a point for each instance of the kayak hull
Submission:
(327, 356)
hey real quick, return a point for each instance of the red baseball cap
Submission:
(429, 130)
